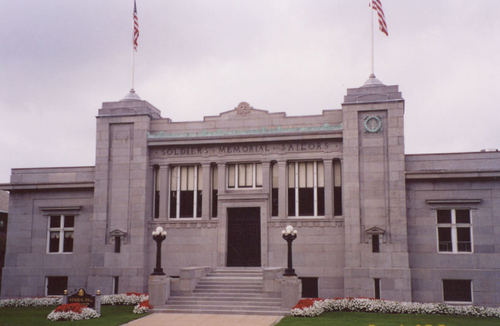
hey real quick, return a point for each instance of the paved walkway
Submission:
(160, 319)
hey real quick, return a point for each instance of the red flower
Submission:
(75, 307)
(305, 303)
(146, 304)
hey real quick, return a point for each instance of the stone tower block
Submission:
(374, 192)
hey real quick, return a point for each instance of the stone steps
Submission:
(216, 304)
(223, 310)
(227, 291)
(224, 299)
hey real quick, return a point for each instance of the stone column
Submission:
(98, 301)
(206, 192)
(266, 176)
(291, 291)
(282, 189)
(164, 180)
(221, 214)
(328, 166)
(158, 289)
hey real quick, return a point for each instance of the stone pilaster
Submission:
(206, 193)
(283, 189)
(329, 182)
(164, 179)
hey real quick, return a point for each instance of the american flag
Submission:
(136, 27)
(377, 6)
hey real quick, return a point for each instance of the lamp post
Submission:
(158, 235)
(289, 234)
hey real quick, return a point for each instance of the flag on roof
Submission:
(377, 6)
(136, 27)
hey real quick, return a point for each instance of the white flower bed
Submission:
(31, 302)
(87, 313)
(384, 306)
(123, 299)
(140, 309)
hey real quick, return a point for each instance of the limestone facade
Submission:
(341, 178)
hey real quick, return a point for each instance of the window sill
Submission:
(455, 253)
(59, 253)
(307, 217)
(459, 303)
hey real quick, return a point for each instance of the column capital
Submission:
(266, 163)
(281, 162)
(328, 162)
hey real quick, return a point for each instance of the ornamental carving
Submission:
(243, 108)
(372, 123)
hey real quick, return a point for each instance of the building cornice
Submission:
(457, 174)
(40, 186)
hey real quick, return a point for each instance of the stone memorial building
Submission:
(371, 220)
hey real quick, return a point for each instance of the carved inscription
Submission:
(256, 148)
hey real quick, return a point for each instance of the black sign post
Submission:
(82, 297)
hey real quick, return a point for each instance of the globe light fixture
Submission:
(289, 234)
(158, 235)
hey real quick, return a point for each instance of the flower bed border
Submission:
(72, 311)
(128, 299)
(31, 302)
(142, 307)
(315, 307)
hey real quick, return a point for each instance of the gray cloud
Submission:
(60, 59)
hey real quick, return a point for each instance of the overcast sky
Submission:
(60, 59)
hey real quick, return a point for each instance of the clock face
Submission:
(372, 123)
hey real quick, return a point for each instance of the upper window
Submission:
(60, 234)
(244, 175)
(185, 192)
(454, 230)
(306, 189)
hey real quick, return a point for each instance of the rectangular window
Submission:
(185, 192)
(337, 188)
(306, 189)
(60, 234)
(244, 175)
(454, 230)
(375, 243)
(309, 287)
(376, 283)
(116, 281)
(215, 192)
(118, 244)
(457, 290)
(56, 285)
(274, 190)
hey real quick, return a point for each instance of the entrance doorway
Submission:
(243, 236)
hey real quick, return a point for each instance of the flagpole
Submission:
(133, 68)
(373, 41)
(135, 37)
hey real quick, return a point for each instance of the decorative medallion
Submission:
(243, 108)
(372, 123)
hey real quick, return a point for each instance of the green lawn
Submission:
(110, 316)
(367, 319)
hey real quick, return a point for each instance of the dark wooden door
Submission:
(243, 236)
